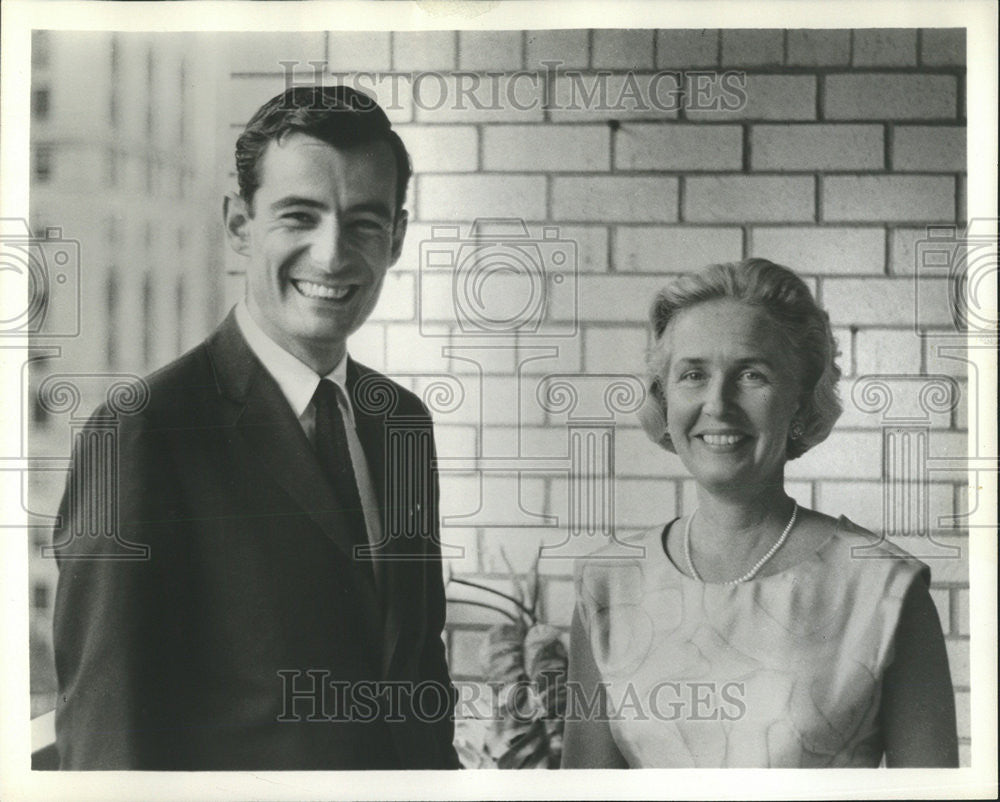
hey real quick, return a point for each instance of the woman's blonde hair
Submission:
(804, 326)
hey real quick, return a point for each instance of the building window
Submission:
(40, 103)
(42, 168)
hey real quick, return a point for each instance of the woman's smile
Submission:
(731, 391)
(723, 443)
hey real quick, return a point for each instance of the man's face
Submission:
(322, 233)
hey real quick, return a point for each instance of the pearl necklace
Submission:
(759, 564)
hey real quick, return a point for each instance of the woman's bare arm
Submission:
(918, 702)
(587, 741)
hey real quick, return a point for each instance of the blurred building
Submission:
(124, 170)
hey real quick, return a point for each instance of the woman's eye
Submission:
(753, 376)
(297, 218)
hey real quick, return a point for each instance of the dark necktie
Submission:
(335, 457)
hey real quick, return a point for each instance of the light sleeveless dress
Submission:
(782, 671)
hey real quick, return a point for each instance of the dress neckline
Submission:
(842, 523)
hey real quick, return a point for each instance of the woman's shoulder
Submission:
(863, 553)
(616, 549)
(620, 560)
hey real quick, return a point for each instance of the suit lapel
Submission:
(271, 432)
(398, 563)
(371, 432)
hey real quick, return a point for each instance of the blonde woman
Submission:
(754, 632)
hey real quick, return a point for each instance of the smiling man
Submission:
(289, 614)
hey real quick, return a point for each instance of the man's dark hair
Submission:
(338, 115)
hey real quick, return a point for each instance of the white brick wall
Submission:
(620, 199)
(876, 47)
(769, 97)
(552, 149)
(904, 198)
(848, 144)
(891, 97)
(741, 198)
(819, 48)
(823, 250)
(753, 48)
(923, 147)
(651, 146)
(817, 147)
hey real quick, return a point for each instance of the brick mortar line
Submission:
(794, 71)
(726, 172)
(649, 120)
(860, 225)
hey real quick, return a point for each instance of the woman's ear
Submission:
(653, 414)
(236, 219)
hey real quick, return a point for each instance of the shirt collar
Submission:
(297, 380)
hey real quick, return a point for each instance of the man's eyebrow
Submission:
(372, 207)
(296, 200)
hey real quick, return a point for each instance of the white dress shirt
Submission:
(298, 383)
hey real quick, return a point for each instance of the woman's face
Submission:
(731, 388)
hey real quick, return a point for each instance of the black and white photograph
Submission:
(397, 394)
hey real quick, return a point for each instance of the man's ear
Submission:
(236, 217)
(399, 234)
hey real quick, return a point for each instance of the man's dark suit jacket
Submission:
(173, 662)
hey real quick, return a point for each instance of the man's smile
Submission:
(310, 289)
